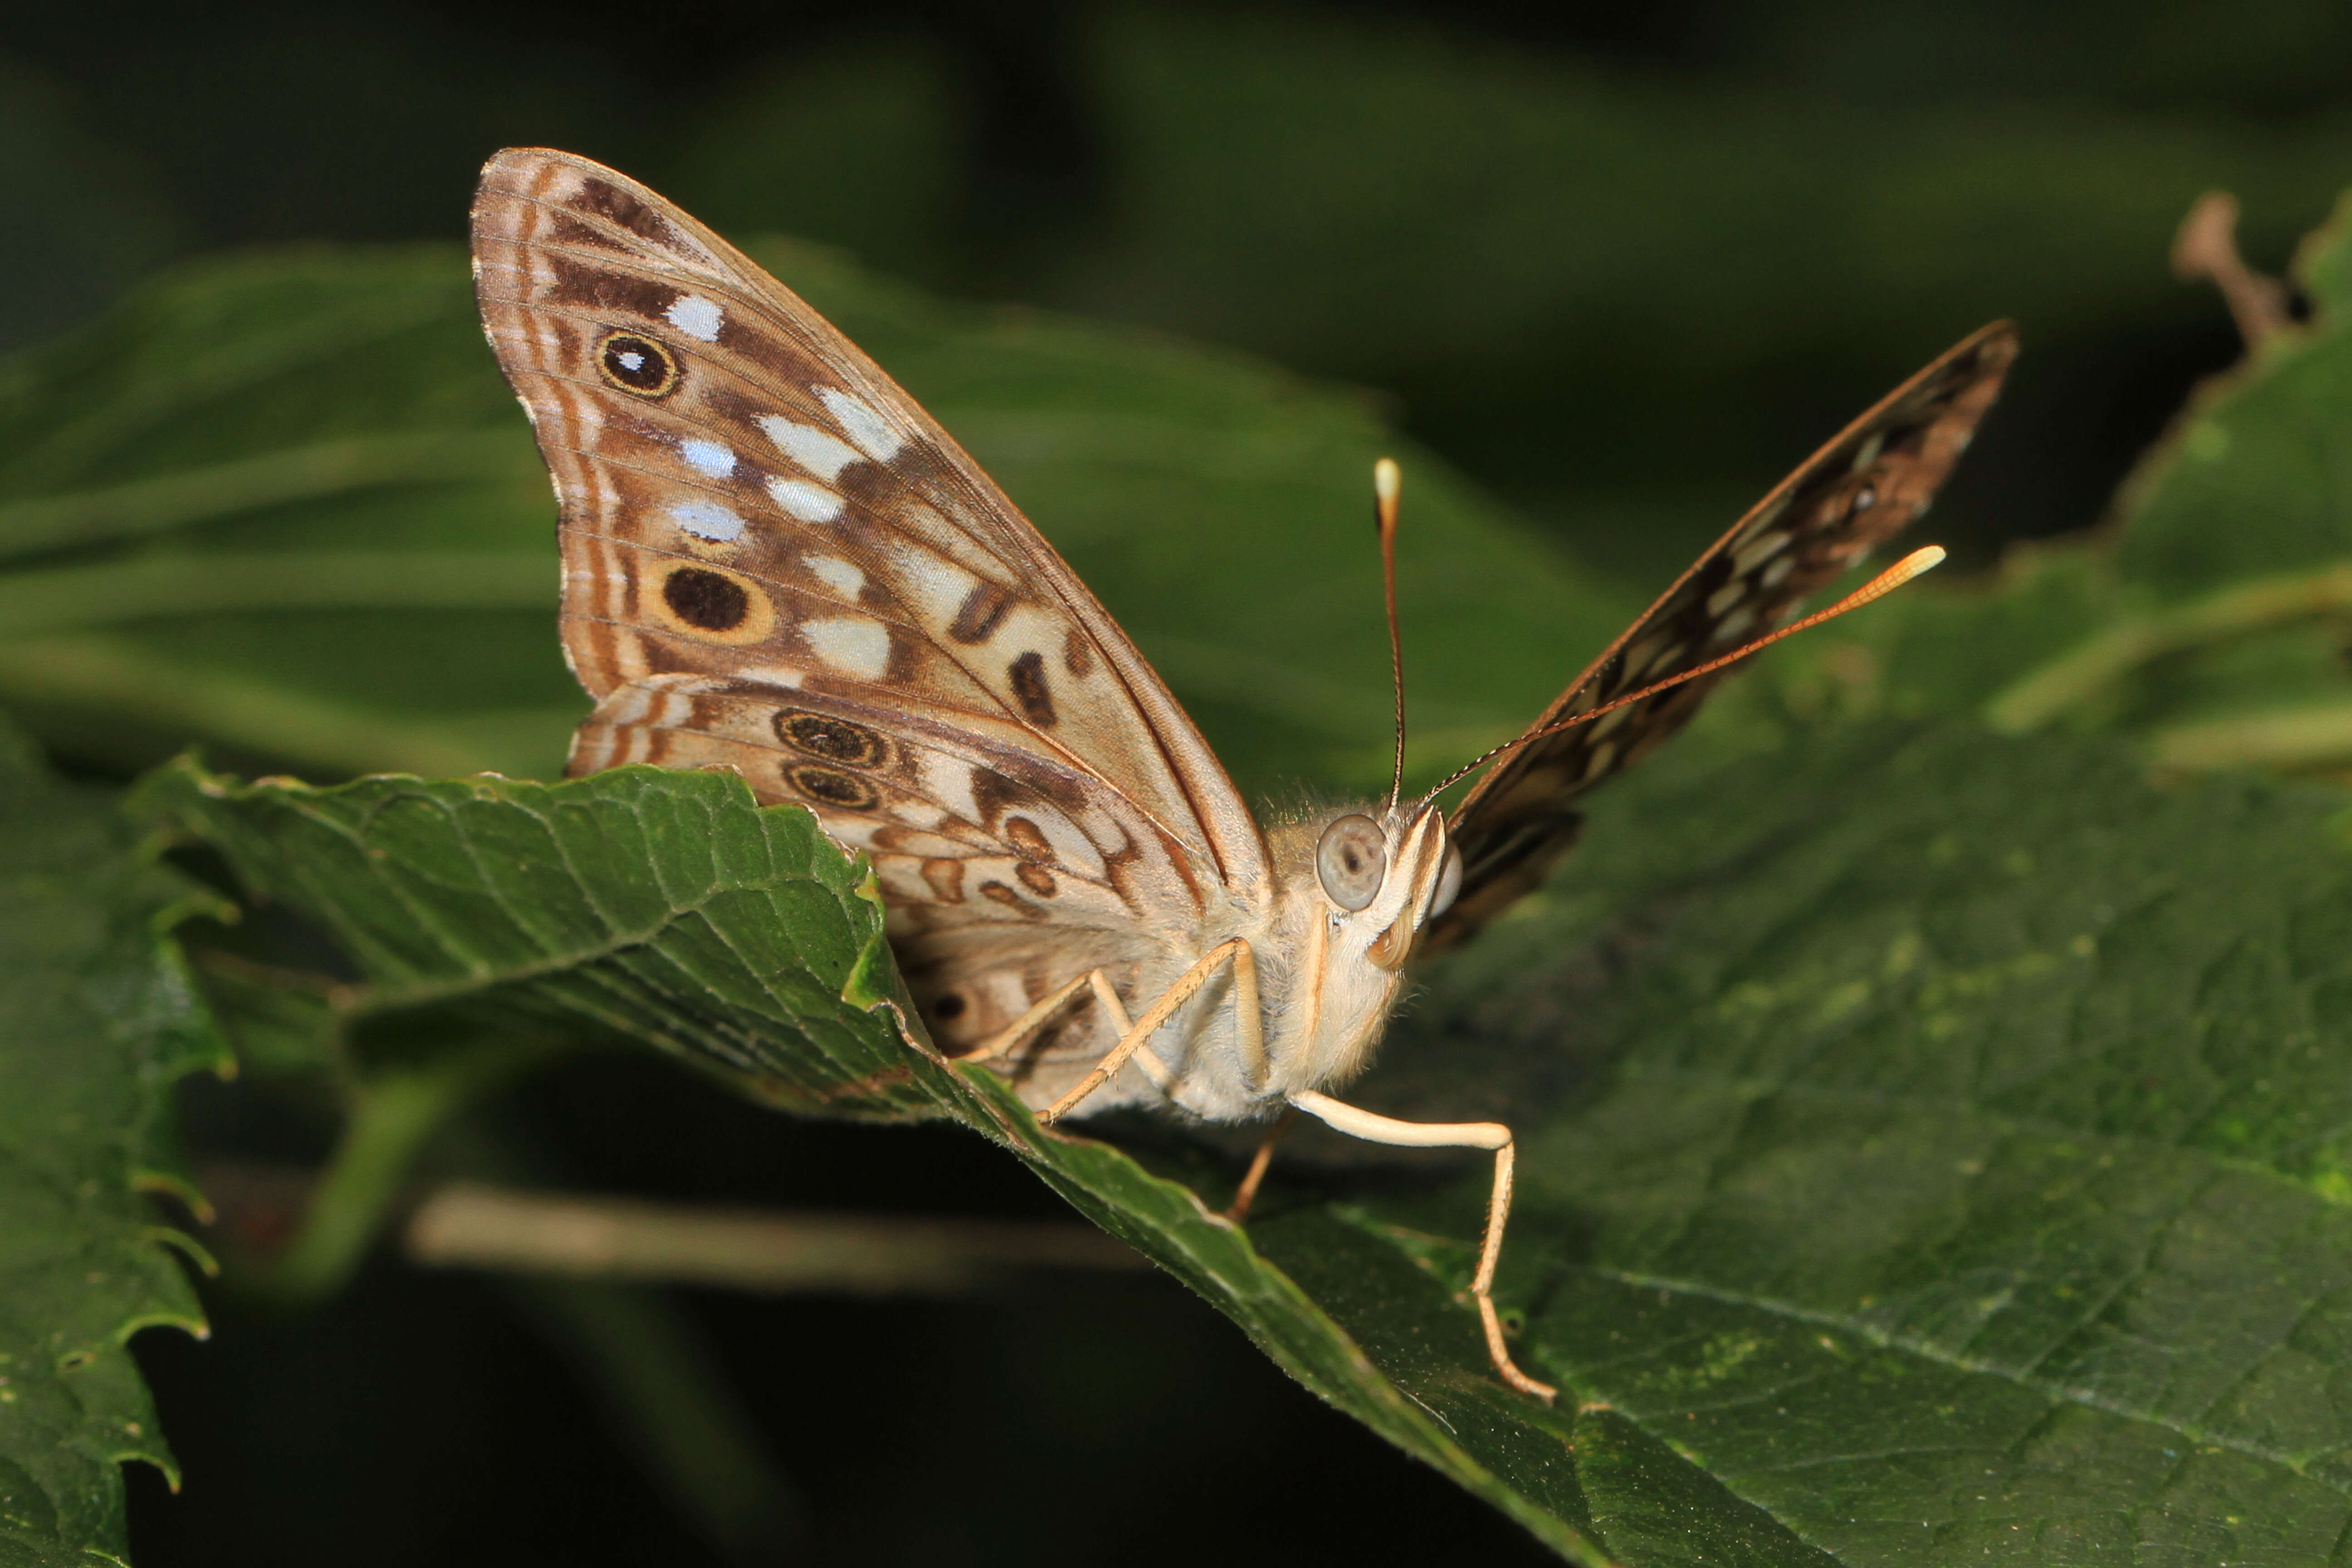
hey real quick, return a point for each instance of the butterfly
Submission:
(775, 562)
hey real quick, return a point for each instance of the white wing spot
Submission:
(706, 520)
(695, 317)
(949, 782)
(868, 430)
(712, 458)
(810, 503)
(838, 575)
(936, 587)
(851, 644)
(1762, 548)
(822, 455)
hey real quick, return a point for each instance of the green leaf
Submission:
(97, 1018)
(1955, 1146)
(514, 899)
(2217, 624)
(283, 504)
(1932, 1145)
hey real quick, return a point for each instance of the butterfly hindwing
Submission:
(978, 848)
(1857, 492)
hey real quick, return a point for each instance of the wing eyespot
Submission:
(832, 740)
(706, 600)
(709, 604)
(826, 788)
(637, 364)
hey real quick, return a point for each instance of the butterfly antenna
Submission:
(1387, 483)
(1878, 587)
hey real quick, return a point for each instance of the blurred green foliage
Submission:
(1621, 285)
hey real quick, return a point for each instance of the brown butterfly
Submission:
(775, 562)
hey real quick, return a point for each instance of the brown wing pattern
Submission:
(745, 495)
(774, 562)
(1852, 495)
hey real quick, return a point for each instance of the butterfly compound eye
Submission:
(1351, 858)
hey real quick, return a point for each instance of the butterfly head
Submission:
(1360, 887)
(1384, 878)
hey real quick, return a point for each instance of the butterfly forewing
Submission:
(775, 562)
(744, 493)
(1852, 495)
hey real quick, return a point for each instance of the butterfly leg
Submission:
(1025, 1028)
(1234, 952)
(1491, 1135)
(1246, 1193)
(1238, 1211)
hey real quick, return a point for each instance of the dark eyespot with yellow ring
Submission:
(1351, 861)
(826, 788)
(636, 364)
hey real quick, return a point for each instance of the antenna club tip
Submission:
(1387, 480)
(1927, 558)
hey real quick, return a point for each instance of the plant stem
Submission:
(392, 1117)
(2106, 659)
(466, 1224)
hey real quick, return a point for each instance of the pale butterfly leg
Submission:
(1114, 1009)
(1491, 1135)
(1025, 1028)
(1021, 1029)
(1239, 1209)
(1251, 1023)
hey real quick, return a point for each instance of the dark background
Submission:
(1622, 264)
